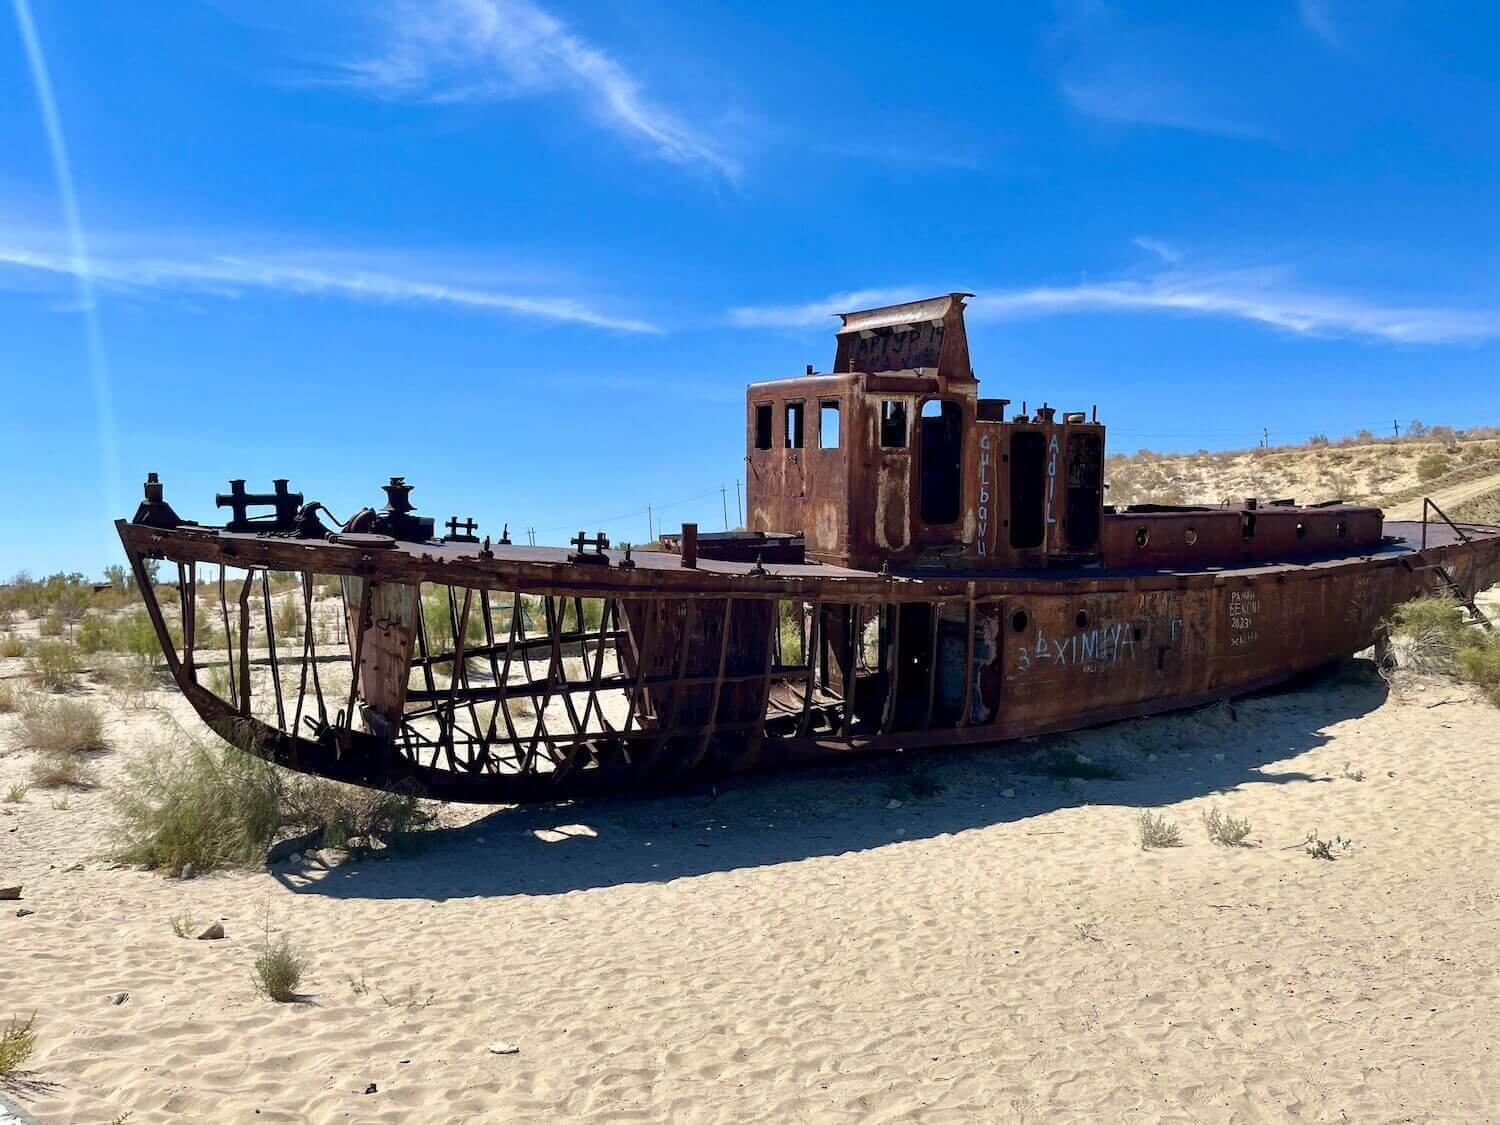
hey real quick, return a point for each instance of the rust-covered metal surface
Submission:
(1014, 603)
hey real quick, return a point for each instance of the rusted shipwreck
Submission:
(922, 567)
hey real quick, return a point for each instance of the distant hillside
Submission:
(1461, 472)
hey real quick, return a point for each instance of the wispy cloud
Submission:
(231, 275)
(1133, 98)
(1320, 22)
(1112, 70)
(1262, 296)
(1168, 254)
(818, 312)
(476, 50)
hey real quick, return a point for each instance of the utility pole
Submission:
(650, 535)
(739, 510)
(724, 503)
(1266, 436)
(1396, 427)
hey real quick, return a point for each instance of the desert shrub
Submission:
(61, 726)
(1432, 465)
(17, 1042)
(1319, 848)
(61, 771)
(1154, 830)
(8, 702)
(288, 618)
(1436, 639)
(12, 646)
(185, 803)
(1224, 829)
(54, 664)
(15, 794)
(1070, 764)
(349, 816)
(51, 625)
(790, 627)
(1479, 664)
(278, 970)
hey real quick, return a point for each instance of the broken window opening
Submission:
(828, 425)
(794, 425)
(892, 424)
(1028, 484)
(942, 437)
(762, 425)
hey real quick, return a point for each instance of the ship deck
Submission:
(1401, 537)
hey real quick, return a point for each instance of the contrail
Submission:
(98, 363)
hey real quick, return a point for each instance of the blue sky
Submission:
(529, 252)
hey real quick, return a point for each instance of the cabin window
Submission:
(794, 425)
(892, 424)
(762, 425)
(828, 425)
(942, 451)
(1085, 489)
(1028, 488)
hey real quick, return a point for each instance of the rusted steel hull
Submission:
(516, 675)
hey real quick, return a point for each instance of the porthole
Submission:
(1018, 621)
(1082, 620)
(1190, 536)
(1301, 530)
(1142, 537)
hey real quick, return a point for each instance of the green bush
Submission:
(184, 803)
(12, 646)
(278, 970)
(1437, 638)
(1226, 830)
(54, 664)
(1432, 465)
(17, 1042)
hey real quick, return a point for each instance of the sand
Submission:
(995, 947)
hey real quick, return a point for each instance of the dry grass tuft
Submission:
(1226, 830)
(12, 645)
(17, 1042)
(55, 664)
(1154, 830)
(278, 970)
(15, 794)
(62, 726)
(8, 701)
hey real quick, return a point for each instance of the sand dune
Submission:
(796, 948)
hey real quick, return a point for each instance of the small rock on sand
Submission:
(212, 932)
(504, 1049)
(119, 998)
(11, 893)
(893, 804)
(187, 871)
(23, 912)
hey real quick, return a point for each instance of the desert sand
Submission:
(945, 936)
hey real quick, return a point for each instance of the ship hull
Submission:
(519, 676)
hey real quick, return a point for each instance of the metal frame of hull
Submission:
(552, 680)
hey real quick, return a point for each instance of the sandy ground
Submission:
(799, 948)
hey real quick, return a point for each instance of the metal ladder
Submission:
(1445, 582)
